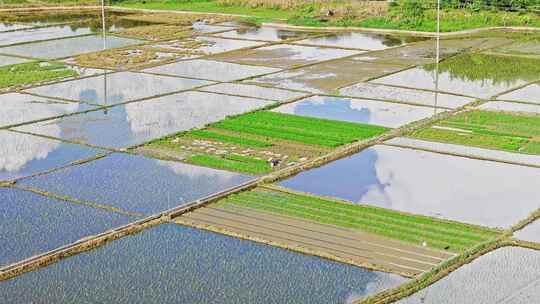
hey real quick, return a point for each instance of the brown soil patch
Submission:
(328, 241)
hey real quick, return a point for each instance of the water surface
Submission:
(32, 224)
(68, 47)
(262, 33)
(476, 75)
(498, 155)
(174, 264)
(380, 113)
(253, 91)
(363, 41)
(370, 90)
(7, 60)
(285, 55)
(23, 155)
(427, 183)
(511, 107)
(116, 88)
(19, 108)
(326, 77)
(4, 27)
(530, 93)
(134, 123)
(211, 70)
(43, 33)
(507, 275)
(530, 233)
(136, 183)
(211, 45)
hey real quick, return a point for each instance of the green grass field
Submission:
(27, 73)
(415, 229)
(306, 15)
(485, 129)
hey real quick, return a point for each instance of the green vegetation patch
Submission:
(415, 229)
(306, 130)
(485, 129)
(232, 162)
(417, 15)
(260, 142)
(26, 73)
(497, 68)
(204, 134)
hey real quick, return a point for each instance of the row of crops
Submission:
(248, 143)
(438, 234)
(494, 130)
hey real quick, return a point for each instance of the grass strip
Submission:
(232, 163)
(205, 134)
(29, 72)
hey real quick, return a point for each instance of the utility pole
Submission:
(437, 55)
(103, 35)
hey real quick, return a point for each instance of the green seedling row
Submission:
(486, 129)
(232, 163)
(204, 134)
(360, 224)
(366, 219)
(364, 211)
(415, 229)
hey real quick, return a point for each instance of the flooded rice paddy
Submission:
(385, 114)
(135, 183)
(67, 47)
(31, 224)
(530, 233)
(115, 88)
(497, 277)
(163, 110)
(172, 264)
(134, 123)
(426, 183)
(24, 155)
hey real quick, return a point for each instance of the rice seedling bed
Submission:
(438, 234)
(486, 129)
(262, 141)
(26, 73)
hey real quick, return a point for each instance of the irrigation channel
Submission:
(315, 143)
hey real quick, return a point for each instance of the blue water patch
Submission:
(175, 264)
(24, 154)
(32, 224)
(136, 183)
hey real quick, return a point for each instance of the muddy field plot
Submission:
(177, 19)
(493, 130)
(363, 235)
(130, 58)
(327, 77)
(284, 55)
(260, 142)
